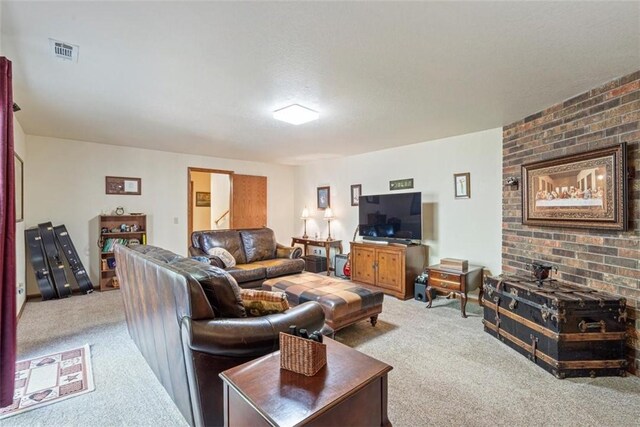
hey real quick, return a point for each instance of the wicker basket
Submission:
(301, 355)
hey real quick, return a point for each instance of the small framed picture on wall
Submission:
(324, 197)
(462, 183)
(356, 190)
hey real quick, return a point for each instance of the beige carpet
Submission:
(447, 371)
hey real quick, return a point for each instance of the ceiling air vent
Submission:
(65, 51)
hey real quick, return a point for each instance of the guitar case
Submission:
(69, 250)
(39, 263)
(63, 288)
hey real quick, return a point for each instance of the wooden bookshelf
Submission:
(128, 227)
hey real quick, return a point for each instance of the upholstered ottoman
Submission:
(344, 302)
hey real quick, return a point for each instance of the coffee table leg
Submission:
(428, 291)
(463, 304)
(374, 320)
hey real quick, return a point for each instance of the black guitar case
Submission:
(65, 243)
(63, 288)
(36, 254)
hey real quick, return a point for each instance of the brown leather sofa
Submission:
(179, 312)
(258, 256)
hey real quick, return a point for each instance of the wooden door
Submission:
(190, 209)
(249, 201)
(363, 264)
(389, 269)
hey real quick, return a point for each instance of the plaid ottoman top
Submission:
(340, 297)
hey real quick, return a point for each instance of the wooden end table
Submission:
(351, 390)
(456, 282)
(323, 243)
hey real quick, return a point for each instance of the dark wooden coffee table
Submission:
(351, 390)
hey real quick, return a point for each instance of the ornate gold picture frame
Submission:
(585, 190)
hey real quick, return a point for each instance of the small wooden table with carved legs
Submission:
(456, 282)
(323, 243)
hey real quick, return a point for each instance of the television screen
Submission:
(391, 216)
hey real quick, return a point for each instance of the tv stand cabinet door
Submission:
(390, 269)
(363, 265)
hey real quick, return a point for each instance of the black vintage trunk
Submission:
(569, 330)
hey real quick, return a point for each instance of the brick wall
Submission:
(606, 260)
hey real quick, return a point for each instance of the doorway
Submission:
(209, 199)
(220, 200)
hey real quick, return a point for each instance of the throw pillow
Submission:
(220, 288)
(202, 259)
(260, 303)
(224, 255)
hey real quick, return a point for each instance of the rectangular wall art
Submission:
(585, 190)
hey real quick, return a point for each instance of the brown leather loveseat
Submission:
(188, 321)
(257, 254)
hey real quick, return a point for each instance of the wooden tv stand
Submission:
(392, 268)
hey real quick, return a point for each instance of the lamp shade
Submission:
(328, 213)
(304, 214)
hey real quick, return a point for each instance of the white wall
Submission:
(462, 228)
(65, 184)
(220, 195)
(20, 148)
(201, 214)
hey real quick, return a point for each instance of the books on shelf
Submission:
(109, 243)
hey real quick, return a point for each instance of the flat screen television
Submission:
(391, 216)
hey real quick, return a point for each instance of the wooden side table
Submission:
(455, 281)
(350, 390)
(323, 243)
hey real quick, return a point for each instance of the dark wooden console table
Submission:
(456, 282)
(323, 243)
(351, 390)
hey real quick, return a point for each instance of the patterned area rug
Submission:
(49, 379)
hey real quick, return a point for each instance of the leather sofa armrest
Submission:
(213, 260)
(328, 331)
(250, 336)
(216, 261)
(290, 252)
(193, 251)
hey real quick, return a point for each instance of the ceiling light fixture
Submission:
(296, 114)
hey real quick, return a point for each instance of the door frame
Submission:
(190, 197)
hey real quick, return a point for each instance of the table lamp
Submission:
(328, 215)
(305, 216)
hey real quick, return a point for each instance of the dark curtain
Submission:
(7, 239)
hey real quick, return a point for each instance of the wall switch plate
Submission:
(175, 219)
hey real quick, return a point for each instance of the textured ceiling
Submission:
(203, 78)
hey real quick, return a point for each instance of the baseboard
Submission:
(21, 310)
(31, 297)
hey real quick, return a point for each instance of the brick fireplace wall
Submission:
(605, 260)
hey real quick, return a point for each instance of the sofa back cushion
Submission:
(156, 298)
(156, 253)
(227, 239)
(259, 244)
(221, 289)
